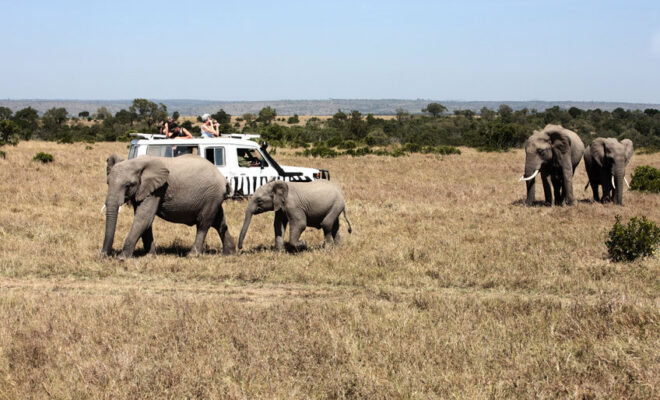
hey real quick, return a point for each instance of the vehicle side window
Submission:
(132, 151)
(216, 155)
(180, 150)
(159, 150)
(168, 150)
(249, 158)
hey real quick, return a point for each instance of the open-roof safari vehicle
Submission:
(244, 163)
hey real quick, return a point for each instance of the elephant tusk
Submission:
(613, 185)
(103, 208)
(522, 178)
(626, 181)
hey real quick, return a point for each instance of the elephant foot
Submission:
(228, 250)
(300, 246)
(193, 253)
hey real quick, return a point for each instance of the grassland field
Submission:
(449, 287)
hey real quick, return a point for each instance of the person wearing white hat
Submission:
(209, 127)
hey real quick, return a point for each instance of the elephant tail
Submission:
(350, 229)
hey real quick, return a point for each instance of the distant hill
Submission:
(312, 107)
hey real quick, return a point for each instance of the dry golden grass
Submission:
(448, 288)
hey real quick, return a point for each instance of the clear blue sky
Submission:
(268, 50)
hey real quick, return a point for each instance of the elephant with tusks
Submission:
(605, 161)
(554, 152)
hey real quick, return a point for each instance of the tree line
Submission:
(488, 130)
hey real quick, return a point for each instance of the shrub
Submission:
(347, 144)
(646, 179)
(3, 155)
(43, 157)
(639, 238)
(319, 151)
(361, 151)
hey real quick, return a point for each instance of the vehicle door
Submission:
(252, 170)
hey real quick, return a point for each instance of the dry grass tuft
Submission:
(448, 288)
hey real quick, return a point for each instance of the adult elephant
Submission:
(187, 190)
(555, 152)
(317, 204)
(605, 161)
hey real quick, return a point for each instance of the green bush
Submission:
(640, 238)
(646, 179)
(361, 151)
(319, 151)
(3, 155)
(347, 144)
(43, 157)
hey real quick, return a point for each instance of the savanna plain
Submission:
(449, 287)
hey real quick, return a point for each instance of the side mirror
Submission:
(264, 145)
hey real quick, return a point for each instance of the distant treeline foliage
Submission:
(347, 132)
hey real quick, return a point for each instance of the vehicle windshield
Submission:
(250, 158)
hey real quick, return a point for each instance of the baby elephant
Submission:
(316, 204)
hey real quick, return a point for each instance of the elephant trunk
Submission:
(246, 225)
(112, 209)
(618, 172)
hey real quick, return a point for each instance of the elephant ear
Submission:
(153, 175)
(280, 192)
(112, 160)
(598, 151)
(560, 142)
(628, 152)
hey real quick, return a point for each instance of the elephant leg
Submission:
(144, 217)
(559, 198)
(327, 225)
(200, 236)
(567, 184)
(335, 232)
(606, 182)
(220, 224)
(280, 227)
(295, 231)
(545, 180)
(148, 241)
(594, 189)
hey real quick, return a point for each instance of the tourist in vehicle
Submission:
(209, 127)
(172, 130)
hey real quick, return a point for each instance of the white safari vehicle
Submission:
(244, 163)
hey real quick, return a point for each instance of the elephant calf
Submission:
(317, 204)
(187, 190)
(605, 161)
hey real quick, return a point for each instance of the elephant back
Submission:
(195, 173)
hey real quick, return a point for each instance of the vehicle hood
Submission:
(305, 171)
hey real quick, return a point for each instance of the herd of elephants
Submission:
(190, 190)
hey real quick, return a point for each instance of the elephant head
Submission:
(543, 147)
(132, 180)
(269, 197)
(611, 155)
